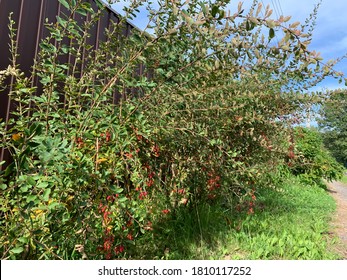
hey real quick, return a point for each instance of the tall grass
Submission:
(288, 223)
(344, 179)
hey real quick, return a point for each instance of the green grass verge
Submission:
(344, 179)
(288, 223)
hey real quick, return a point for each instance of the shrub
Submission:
(89, 177)
(310, 160)
(332, 123)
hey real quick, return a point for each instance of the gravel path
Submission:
(339, 192)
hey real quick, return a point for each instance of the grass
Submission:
(344, 179)
(288, 223)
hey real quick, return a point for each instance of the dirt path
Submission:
(339, 192)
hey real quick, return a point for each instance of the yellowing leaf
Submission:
(100, 160)
(17, 136)
(260, 6)
(287, 18)
(294, 25)
(38, 212)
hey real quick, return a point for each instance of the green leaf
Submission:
(137, 38)
(53, 205)
(215, 11)
(24, 188)
(84, 9)
(123, 199)
(81, 11)
(204, 9)
(271, 33)
(23, 239)
(17, 250)
(88, 135)
(116, 189)
(31, 181)
(64, 3)
(221, 14)
(32, 198)
(9, 169)
(66, 217)
(37, 232)
(46, 194)
(65, 49)
(46, 80)
(61, 21)
(42, 185)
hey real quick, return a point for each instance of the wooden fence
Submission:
(29, 17)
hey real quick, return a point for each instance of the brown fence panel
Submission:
(29, 17)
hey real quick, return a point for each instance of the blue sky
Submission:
(330, 36)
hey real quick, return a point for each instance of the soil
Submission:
(339, 191)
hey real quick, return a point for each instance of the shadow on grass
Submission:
(201, 231)
(189, 233)
(213, 231)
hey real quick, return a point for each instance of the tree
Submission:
(333, 123)
(310, 160)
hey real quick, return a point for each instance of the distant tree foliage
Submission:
(333, 123)
(310, 160)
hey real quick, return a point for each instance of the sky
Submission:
(329, 37)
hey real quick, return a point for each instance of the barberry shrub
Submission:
(207, 121)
